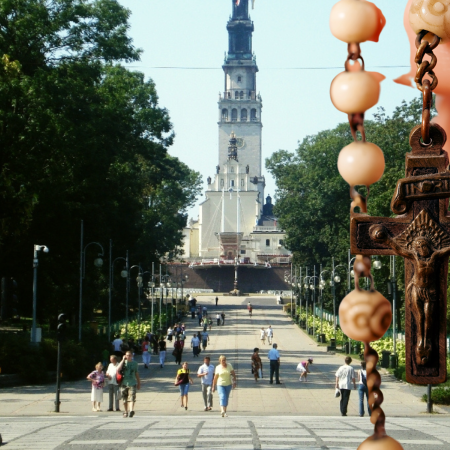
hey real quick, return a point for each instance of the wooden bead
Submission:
(355, 92)
(431, 15)
(365, 316)
(385, 443)
(361, 163)
(356, 21)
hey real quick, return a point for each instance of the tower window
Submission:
(236, 95)
(242, 95)
(221, 182)
(253, 115)
(225, 115)
(243, 115)
(232, 170)
(242, 182)
(281, 242)
(232, 183)
(267, 242)
(239, 79)
(234, 115)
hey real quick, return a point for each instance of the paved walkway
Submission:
(236, 340)
(212, 432)
(262, 416)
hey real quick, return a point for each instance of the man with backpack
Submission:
(345, 376)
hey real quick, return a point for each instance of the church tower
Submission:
(240, 105)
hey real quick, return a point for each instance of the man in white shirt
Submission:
(274, 357)
(206, 373)
(345, 376)
(113, 387)
(117, 344)
(195, 344)
(269, 333)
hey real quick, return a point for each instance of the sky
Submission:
(184, 41)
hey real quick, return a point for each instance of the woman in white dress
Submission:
(263, 335)
(97, 378)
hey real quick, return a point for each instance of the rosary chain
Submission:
(425, 67)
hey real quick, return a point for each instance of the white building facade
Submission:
(234, 223)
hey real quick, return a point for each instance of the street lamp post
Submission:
(321, 287)
(139, 279)
(124, 274)
(37, 248)
(98, 262)
(306, 298)
(393, 285)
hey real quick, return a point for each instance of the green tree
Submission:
(313, 202)
(82, 138)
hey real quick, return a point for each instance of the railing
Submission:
(260, 228)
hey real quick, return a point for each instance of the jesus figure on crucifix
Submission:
(424, 243)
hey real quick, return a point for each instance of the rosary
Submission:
(420, 233)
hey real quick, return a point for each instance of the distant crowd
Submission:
(121, 379)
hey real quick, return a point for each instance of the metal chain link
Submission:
(424, 68)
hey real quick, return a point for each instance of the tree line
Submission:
(313, 201)
(81, 138)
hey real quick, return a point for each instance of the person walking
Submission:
(263, 335)
(195, 344)
(218, 319)
(113, 387)
(205, 340)
(177, 350)
(256, 364)
(146, 357)
(345, 376)
(200, 317)
(97, 379)
(303, 368)
(363, 390)
(183, 381)
(217, 301)
(250, 311)
(169, 334)
(269, 333)
(162, 351)
(274, 357)
(130, 383)
(206, 374)
(224, 380)
(223, 318)
(117, 345)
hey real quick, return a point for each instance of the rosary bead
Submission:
(356, 21)
(361, 163)
(384, 443)
(431, 15)
(355, 92)
(365, 315)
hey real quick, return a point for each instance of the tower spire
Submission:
(240, 9)
(240, 29)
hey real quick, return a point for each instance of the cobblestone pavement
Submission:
(291, 415)
(214, 432)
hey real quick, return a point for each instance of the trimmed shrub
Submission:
(439, 396)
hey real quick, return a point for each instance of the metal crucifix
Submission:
(420, 233)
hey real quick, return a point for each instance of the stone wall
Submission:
(250, 280)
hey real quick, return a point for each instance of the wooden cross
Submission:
(420, 233)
